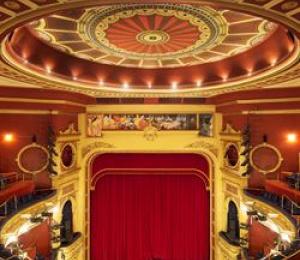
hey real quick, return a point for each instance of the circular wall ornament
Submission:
(232, 155)
(33, 158)
(68, 155)
(265, 158)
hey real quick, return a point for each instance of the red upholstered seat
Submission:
(17, 189)
(281, 188)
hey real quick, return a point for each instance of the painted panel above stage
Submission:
(96, 123)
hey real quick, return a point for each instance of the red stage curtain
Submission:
(144, 217)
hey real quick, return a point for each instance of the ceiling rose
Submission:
(153, 35)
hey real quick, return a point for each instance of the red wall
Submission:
(266, 113)
(24, 127)
(276, 127)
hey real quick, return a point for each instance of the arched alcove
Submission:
(66, 231)
(233, 225)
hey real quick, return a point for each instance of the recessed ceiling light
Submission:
(100, 82)
(224, 77)
(273, 62)
(199, 83)
(174, 85)
(48, 69)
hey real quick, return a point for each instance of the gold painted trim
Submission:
(272, 147)
(145, 171)
(41, 101)
(34, 112)
(211, 159)
(259, 101)
(226, 163)
(264, 78)
(74, 156)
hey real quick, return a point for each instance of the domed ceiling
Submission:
(150, 50)
(153, 36)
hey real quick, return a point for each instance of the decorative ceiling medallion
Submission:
(148, 33)
(153, 35)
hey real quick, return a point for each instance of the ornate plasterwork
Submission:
(143, 35)
(95, 145)
(70, 130)
(229, 130)
(269, 9)
(204, 145)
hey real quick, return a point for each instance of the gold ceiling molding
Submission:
(10, 19)
(42, 8)
(258, 101)
(283, 72)
(147, 46)
(40, 101)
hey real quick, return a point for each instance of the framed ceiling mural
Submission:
(97, 123)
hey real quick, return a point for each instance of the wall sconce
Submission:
(10, 137)
(291, 138)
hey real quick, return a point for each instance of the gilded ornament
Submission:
(289, 5)
(12, 5)
(89, 148)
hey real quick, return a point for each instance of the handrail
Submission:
(292, 255)
(292, 201)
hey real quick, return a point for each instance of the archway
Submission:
(66, 231)
(150, 206)
(233, 226)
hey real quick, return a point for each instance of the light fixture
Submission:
(75, 78)
(48, 69)
(273, 62)
(250, 71)
(8, 138)
(100, 82)
(199, 83)
(292, 138)
(174, 85)
(149, 85)
(224, 77)
(125, 85)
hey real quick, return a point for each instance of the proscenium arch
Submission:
(92, 155)
(259, 9)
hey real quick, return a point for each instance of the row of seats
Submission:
(14, 189)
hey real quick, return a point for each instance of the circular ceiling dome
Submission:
(153, 35)
(150, 50)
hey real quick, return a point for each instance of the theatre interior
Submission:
(149, 130)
